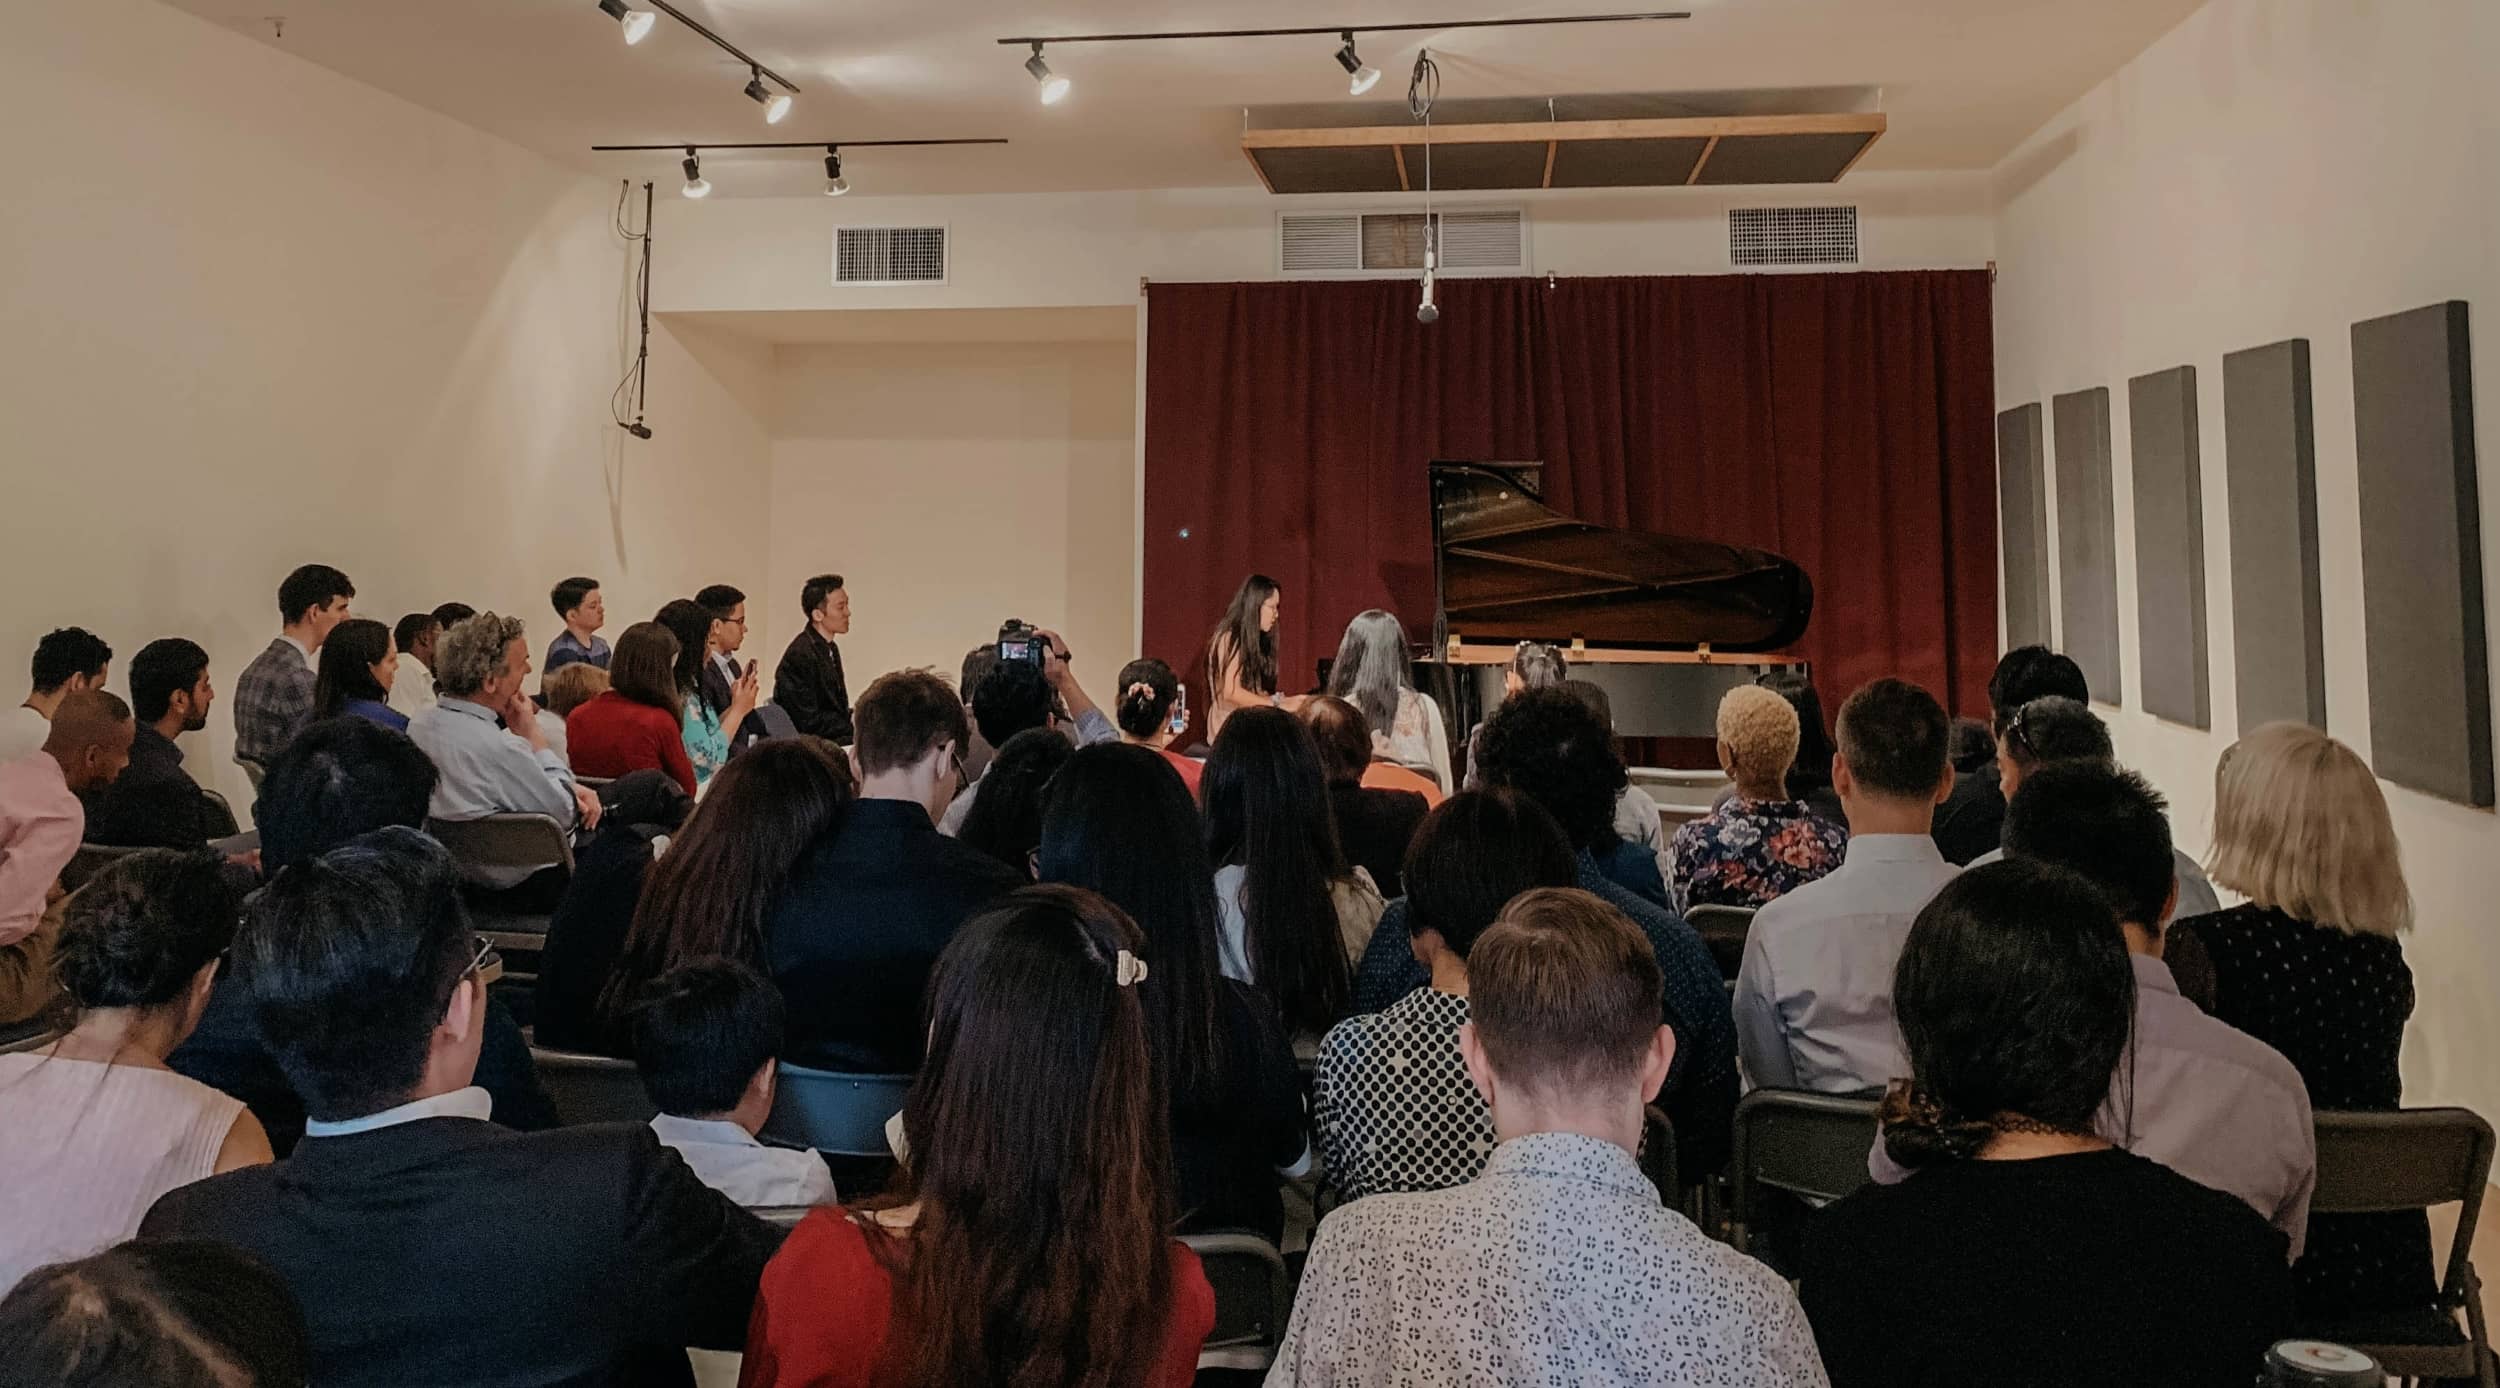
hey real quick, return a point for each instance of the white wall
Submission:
(2273, 169)
(258, 314)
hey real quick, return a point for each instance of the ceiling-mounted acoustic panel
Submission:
(1627, 163)
(1802, 158)
(1469, 168)
(1626, 153)
(1335, 169)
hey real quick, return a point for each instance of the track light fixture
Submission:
(1362, 76)
(835, 184)
(775, 104)
(637, 22)
(696, 186)
(1054, 88)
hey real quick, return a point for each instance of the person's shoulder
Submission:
(216, 1202)
(2220, 1041)
(2188, 1214)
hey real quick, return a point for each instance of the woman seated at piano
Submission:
(1241, 653)
(1373, 672)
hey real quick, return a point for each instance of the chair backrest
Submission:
(1811, 1145)
(90, 859)
(252, 772)
(505, 841)
(1723, 929)
(781, 1216)
(592, 1088)
(2410, 1159)
(224, 824)
(837, 1113)
(1253, 1300)
(776, 721)
(1657, 1155)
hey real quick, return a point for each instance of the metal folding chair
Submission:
(1253, 1300)
(525, 842)
(592, 1088)
(2413, 1159)
(1812, 1146)
(1723, 929)
(837, 1113)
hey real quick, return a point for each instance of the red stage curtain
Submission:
(1845, 421)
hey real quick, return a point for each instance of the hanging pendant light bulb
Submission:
(835, 184)
(1362, 76)
(696, 186)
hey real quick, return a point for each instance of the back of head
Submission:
(901, 717)
(2015, 998)
(1472, 855)
(2301, 827)
(346, 665)
(1268, 811)
(1343, 738)
(161, 670)
(2057, 729)
(473, 652)
(978, 662)
(1006, 818)
(349, 960)
(1563, 994)
(310, 588)
(1758, 730)
(339, 778)
(2106, 825)
(1974, 747)
(574, 685)
(571, 594)
(1538, 665)
(1896, 740)
(165, 1313)
(2026, 673)
(1370, 671)
(452, 614)
(91, 729)
(643, 667)
(1040, 1155)
(1814, 738)
(1548, 745)
(66, 654)
(702, 1031)
(411, 631)
(720, 599)
(691, 623)
(1148, 690)
(1011, 699)
(142, 929)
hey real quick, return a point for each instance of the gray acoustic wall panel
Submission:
(2422, 553)
(2169, 546)
(2087, 539)
(2270, 449)
(2022, 500)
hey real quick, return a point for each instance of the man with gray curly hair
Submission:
(483, 736)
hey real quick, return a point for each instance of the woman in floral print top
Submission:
(1758, 844)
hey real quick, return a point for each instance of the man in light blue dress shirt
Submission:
(483, 736)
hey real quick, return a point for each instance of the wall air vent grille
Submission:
(1792, 235)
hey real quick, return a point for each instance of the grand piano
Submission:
(1663, 624)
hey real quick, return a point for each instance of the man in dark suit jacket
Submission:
(872, 904)
(154, 803)
(808, 683)
(426, 1244)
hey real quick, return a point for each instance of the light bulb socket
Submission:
(1348, 59)
(696, 186)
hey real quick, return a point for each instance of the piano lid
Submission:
(1508, 567)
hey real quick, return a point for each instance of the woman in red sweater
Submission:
(636, 725)
(1024, 1241)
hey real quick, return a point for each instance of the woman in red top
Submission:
(1154, 709)
(1024, 1242)
(637, 724)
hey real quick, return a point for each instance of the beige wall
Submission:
(258, 314)
(2271, 169)
(953, 485)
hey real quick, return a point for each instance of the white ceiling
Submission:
(1962, 80)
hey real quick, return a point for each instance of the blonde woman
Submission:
(2312, 967)
(1757, 845)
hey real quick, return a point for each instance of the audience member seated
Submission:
(42, 823)
(425, 1243)
(1293, 915)
(583, 610)
(452, 614)
(808, 683)
(1120, 823)
(2024, 1247)
(638, 722)
(727, 632)
(2055, 730)
(586, 935)
(93, 1127)
(339, 778)
(1374, 672)
(355, 671)
(1813, 996)
(2312, 967)
(2206, 1100)
(1027, 1240)
(1006, 822)
(69, 661)
(1533, 665)
(1972, 820)
(1374, 826)
(1014, 697)
(1153, 709)
(1758, 845)
(1559, 1264)
(154, 803)
(873, 901)
(487, 769)
(273, 697)
(1553, 748)
(169, 1313)
(707, 1041)
(564, 693)
(413, 692)
(978, 662)
(1391, 1105)
(1810, 775)
(1974, 747)
(702, 727)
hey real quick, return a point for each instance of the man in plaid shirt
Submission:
(273, 698)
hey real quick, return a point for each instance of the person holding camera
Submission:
(1032, 686)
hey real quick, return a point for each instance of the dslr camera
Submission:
(1019, 640)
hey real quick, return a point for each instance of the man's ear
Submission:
(1659, 1059)
(1944, 783)
(466, 1010)
(1844, 781)
(1479, 1069)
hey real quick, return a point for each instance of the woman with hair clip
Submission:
(358, 665)
(1027, 1241)
(1294, 915)
(1241, 652)
(1153, 709)
(1374, 672)
(2024, 1247)
(1120, 823)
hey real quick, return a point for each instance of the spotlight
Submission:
(775, 104)
(835, 184)
(1054, 89)
(1364, 76)
(695, 187)
(637, 22)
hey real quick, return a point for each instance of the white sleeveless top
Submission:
(86, 1148)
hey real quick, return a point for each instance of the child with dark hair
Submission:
(707, 1039)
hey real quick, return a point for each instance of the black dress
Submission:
(1231, 1136)
(2334, 1002)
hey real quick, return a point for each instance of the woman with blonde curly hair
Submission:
(1757, 845)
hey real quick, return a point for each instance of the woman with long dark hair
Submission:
(1153, 709)
(1006, 817)
(1293, 913)
(1026, 1241)
(2022, 1236)
(1241, 651)
(1810, 775)
(706, 732)
(637, 723)
(358, 664)
(1373, 671)
(1120, 823)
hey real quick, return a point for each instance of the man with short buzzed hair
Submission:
(41, 824)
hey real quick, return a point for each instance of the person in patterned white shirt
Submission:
(1560, 1264)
